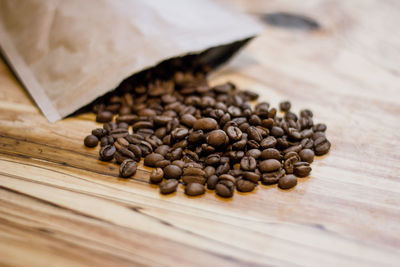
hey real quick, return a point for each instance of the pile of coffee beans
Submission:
(204, 136)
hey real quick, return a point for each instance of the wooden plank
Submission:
(60, 205)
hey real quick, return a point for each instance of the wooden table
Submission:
(60, 206)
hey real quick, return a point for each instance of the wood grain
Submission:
(61, 206)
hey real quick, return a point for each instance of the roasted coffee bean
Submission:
(91, 141)
(136, 151)
(306, 113)
(284, 106)
(291, 154)
(119, 157)
(289, 164)
(208, 171)
(295, 148)
(269, 178)
(254, 134)
(271, 153)
(172, 172)
(236, 173)
(217, 138)
(205, 124)
(145, 147)
(117, 133)
(179, 163)
(99, 132)
(255, 153)
(277, 131)
(162, 163)
(162, 150)
(302, 169)
(151, 159)
(107, 152)
(169, 186)
(194, 189)
(128, 168)
(307, 143)
(106, 140)
(187, 179)
(268, 142)
(240, 145)
(224, 168)
(245, 185)
(317, 135)
(251, 176)
(248, 163)
(287, 181)
(269, 165)
(188, 120)
(104, 116)
(227, 177)
(234, 133)
(179, 133)
(213, 159)
(224, 189)
(109, 126)
(212, 182)
(307, 155)
(156, 176)
(193, 171)
(196, 137)
(321, 146)
(320, 127)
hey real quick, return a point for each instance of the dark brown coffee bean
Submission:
(227, 177)
(175, 154)
(224, 168)
(136, 151)
(291, 154)
(306, 113)
(271, 153)
(295, 148)
(161, 120)
(106, 140)
(236, 173)
(212, 182)
(151, 159)
(320, 127)
(302, 169)
(179, 133)
(248, 163)
(253, 144)
(245, 185)
(91, 141)
(188, 120)
(277, 131)
(193, 171)
(162, 163)
(104, 116)
(234, 133)
(162, 150)
(307, 155)
(307, 143)
(99, 132)
(169, 186)
(188, 179)
(317, 135)
(321, 146)
(255, 153)
(119, 157)
(307, 133)
(107, 152)
(117, 133)
(224, 190)
(128, 168)
(269, 165)
(285, 106)
(129, 119)
(287, 181)
(194, 189)
(172, 172)
(196, 137)
(217, 138)
(208, 171)
(269, 178)
(268, 142)
(254, 134)
(179, 163)
(289, 164)
(156, 176)
(251, 176)
(145, 147)
(294, 134)
(213, 159)
(123, 142)
(240, 145)
(205, 124)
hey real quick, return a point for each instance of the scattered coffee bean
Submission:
(287, 181)
(245, 185)
(307, 155)
(107, 152)
(151, 159)
(91, 141)
(194, 189)
(168, 186)
(302, 169)
(127, 168)
(172, 172)
(156, 176)
(269, 165)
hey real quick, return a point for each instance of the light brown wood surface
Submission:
(60, 206)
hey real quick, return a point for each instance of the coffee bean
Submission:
(248, 163)
(268, 142)
(194, 189)
(151, 159)
(271, 153)
(224, 189)
(117, 133)
(277, 131)
(302, 169)
(245, 185)
(145, 147)
(251, 176)
(208, 171)
(162, 150)
(179, 133)
(227, 177)
(172, 172)
(320, 127)
(107, 152)
(91, 141)
(269, 178)
(179, 163)
(104, 116)
(284, 106)
(254, 134)
(212, 182)
(289, 164)
(196, 137)
(234, 133)
(287, 181)
(205, 124)
(128, 168)
(156, 176)
(255, 153)
(135, 149)
(307, 155)
(269, 165)
(162, 163)
(213, 159)
(217, 138)
(99, 132)
(188, 120)
(169, 186)
(321, 146)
